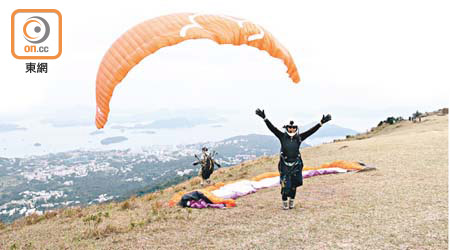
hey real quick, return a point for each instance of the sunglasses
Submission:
(289, 126)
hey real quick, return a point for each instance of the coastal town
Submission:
(40, 183)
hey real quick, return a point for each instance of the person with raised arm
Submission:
(290, 165)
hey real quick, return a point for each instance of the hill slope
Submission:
(401, 205)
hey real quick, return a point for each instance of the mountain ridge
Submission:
(369, 210)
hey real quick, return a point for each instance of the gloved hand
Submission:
(325, 118)
(260, 113)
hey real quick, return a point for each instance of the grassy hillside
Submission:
(401, 205)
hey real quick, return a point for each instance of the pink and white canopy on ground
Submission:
(226, 193)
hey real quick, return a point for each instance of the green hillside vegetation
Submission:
(401, 205)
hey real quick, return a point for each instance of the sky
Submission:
(360, 61)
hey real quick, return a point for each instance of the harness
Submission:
(290, 165)
(208, 163)
(287, 163)
(290, 169)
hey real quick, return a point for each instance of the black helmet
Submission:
(290, 125)
(204, 149)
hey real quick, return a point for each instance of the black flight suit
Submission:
(291, 164)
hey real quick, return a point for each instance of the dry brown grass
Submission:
(149, 197)
(401, 205)
(34, 218)
(50, 214)
(129, 204)
(73, 212)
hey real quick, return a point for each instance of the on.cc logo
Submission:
(36, 34)
(37, 25)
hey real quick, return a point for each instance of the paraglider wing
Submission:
(151, 35)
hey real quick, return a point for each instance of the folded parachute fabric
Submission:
(235, 190)
(225, 194)
(203, 204)
(311, 173)
(197, 199)
(185, 199)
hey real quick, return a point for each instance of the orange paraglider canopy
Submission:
(151, 35)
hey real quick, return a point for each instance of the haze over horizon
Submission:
(359, 61)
